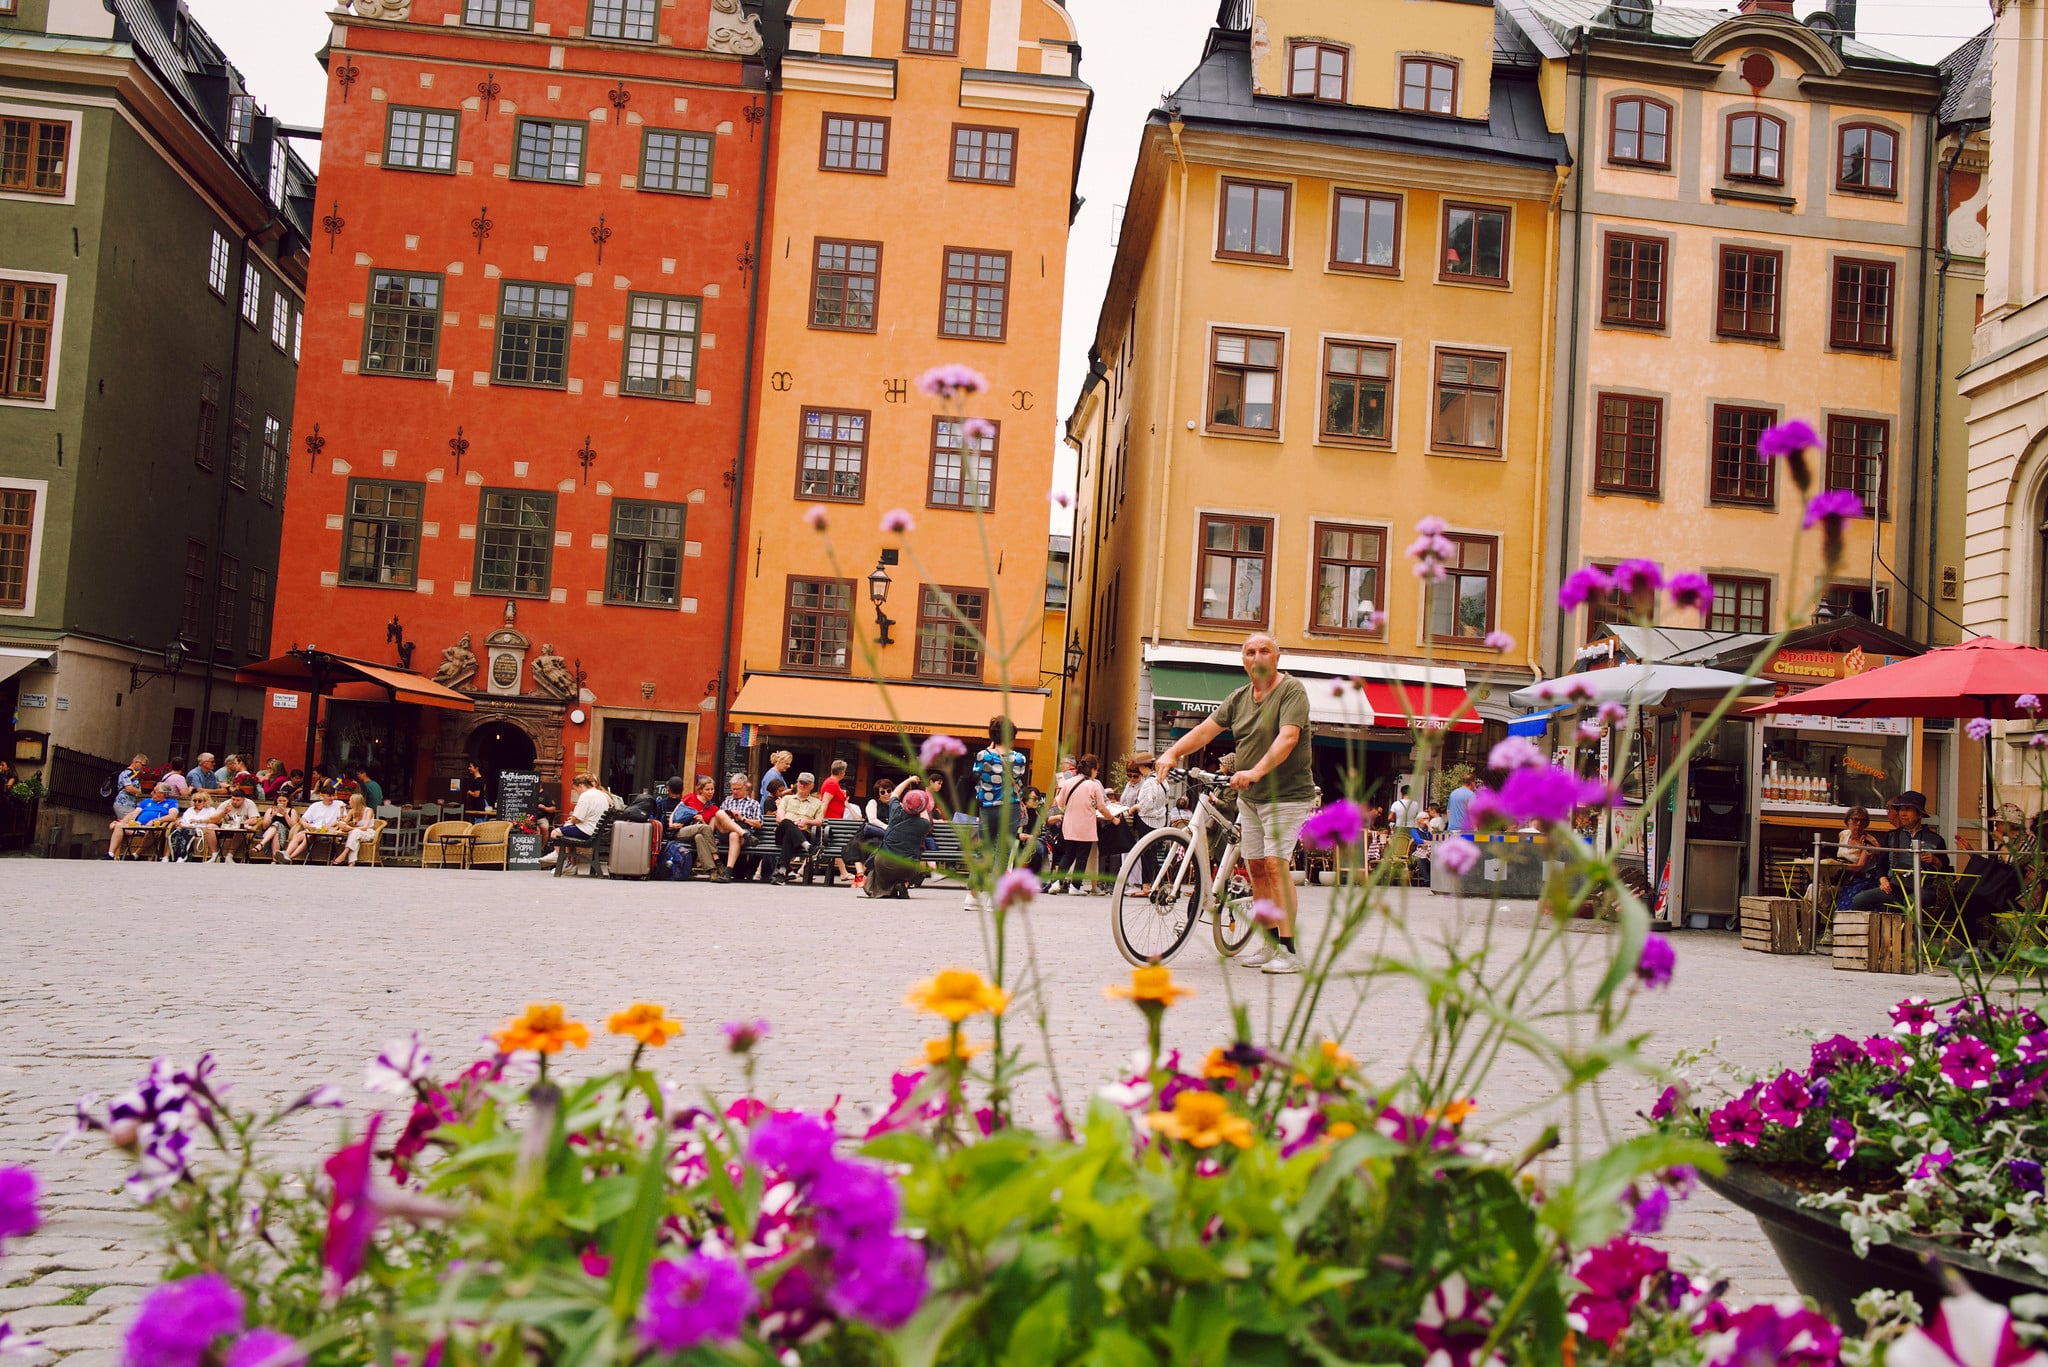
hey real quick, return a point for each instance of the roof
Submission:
(1673, 25)
(1966, 83)
(1219, 91)
(1678, 645)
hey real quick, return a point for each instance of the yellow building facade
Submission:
(1327, 320)
(923, 180)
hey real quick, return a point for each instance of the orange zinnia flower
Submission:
(938, 1051)
(1217, 1068)
(1453, 1114)
(1334, 1055)
(645, 1022)
(1202, 1119)
(543, 1029)
(956, 994)
(1152, 986)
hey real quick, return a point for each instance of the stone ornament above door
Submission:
(505, 662)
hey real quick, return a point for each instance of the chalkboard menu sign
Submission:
(518, 794)
(523, 850)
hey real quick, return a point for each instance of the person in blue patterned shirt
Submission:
(1000, 772)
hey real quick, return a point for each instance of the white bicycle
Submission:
(1151, 925)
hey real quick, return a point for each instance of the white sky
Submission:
(1134, 51)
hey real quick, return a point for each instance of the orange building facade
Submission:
(524, 384)
(924, 168)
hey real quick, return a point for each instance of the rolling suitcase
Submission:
(632, 854)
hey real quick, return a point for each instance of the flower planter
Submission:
(1817, 1255)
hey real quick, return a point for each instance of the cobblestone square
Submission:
(295, 977)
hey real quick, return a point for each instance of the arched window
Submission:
(1639, 132)
(1867, 158)
(1756, 145)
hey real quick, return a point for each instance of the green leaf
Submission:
(1117, 1348)
(1039, 1333)
(1587, 1210)
(1634, 928)
(1199, 1329)
(632, 1247)
(919, 1342)
(1342, 1162)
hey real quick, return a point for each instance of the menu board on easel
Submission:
(518, 794)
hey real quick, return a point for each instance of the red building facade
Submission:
(526, 356)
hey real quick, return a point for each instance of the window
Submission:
(271, 460)
(1469, 391)
(1739, 476)
(1635, 281)
(1351, 565)
(533, 335)
(298, 334)
(498, 13)
(280, 322)
(217, 266)
(420, 140)
(646, 554)
(1357, 391)
(1631, 444)
(1316, 71)
(403, 332)
(963, 466)
(1476, 243)
(949, 626)
(241, 121)
(1862, 319)
(252, 293)
(195, 591)
(1749, 293)
(1857, 451)
(1740, 605)
(846, 282)
(549, 151)
(35, 155)
(675, 163)
(259, 618)
(1867, 158)
(977, 295)
(661, 347)
(278, 163)
(631, 20)
(1236, 554)
(818, 625)
(1244, 382)
(1639, 133)
(27, 313)
(1365, 232)
(1461, 604)
(209, 417)
(834, 459)
(1856, 600)
(1429, 87)
(852, 144)
(1605, 608)
(934, 26)
(1755, 146)
(246, 730)
(1254, 221)
(515, 543)
(224, 603)
(382, 543)
(181, 730)
(988, 155)
(238, 442)
(17, 525)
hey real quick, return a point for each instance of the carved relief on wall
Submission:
(733, 30)
(382, 9)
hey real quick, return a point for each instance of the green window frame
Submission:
(550, 151)
(515, 543)
(402, 326)
(625, 21)
(646, 554)
(380, 539)
(418, 139)
(673, 162)
(661, 346)
(534, 321)
(498, 13)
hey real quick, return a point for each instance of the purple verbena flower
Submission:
(2027, 702)
(898, 521)
(179, 1321)
(1636, 578)
(1016, 888)
(978, 429)
(852, 1202)
(937, 748)
(1832, 506)
(796, 1145)
(1336, 823)
(1581, 585)
(1516, 752)
(697, 1300)
(18, 1215)
(1649, 1214)
(1786, 439)
(1458, 856)
(1545, 795)
(945, 381)
(1978, 728)
(1498, 640)
(742, 1036)
(817, 517)
(880, 1281)
(1657, 962)
(1690, 590)
(265, 1348)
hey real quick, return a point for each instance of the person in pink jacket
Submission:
(1087, 807)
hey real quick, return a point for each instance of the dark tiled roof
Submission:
(1966, 82)
(1674, 25)
(1219, 91)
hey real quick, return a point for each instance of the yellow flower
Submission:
(1334, 1055)
(543, 1029)
(1342, 1129)
(956, 994)
(645, 1022)
(1217, 1068)
(1202, 1119)
(1453, 1114)
(1152, 986)
(938, 1051)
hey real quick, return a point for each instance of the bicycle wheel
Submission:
(1233, 920)
(1151, 928)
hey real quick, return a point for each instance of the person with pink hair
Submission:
(899, 862)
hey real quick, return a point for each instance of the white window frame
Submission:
(298, 332)
(50, 376)
(252, 294)
(219, 252)
(280, 321)
(41, 489)
(50, 113)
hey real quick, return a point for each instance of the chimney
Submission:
(1783, 7)
(1845, 16)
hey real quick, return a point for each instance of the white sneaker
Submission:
(550, 859)
(1259, 956)
(1282, 962)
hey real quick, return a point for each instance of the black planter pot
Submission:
(1818, 1256)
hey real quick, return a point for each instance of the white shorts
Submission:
(1270, 830)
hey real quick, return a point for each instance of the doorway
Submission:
(640, 756)
(497, 747)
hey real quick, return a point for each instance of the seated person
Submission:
(738, 816)
(1858, 854)
(174, 779)
(360, 821)
(238, 813)
(692, 822)
(277, 827)
(588, 805)
(193, 835)
(798, 816)
(1911, 841)
(152, 809)
(203, 776)
(896, 865)
(324, 817)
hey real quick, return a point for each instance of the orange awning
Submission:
(807, 704)
(342, 677)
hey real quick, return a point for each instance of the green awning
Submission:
(1191, 683)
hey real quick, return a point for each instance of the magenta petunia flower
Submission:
(179, 1321)
(1968, 1063)
(1886, 1052)
(401, 1066)
(1690, 590)
(351, 1209)
(2032, 1048)
(881, 1281)
(796, 1145)
(1784, 1100)
(1337, 823)
(1667, 1104)
(18, 1215)
(1654, 968)
(1832, 506)
(946, 381)
(1932, 1164)
(1787, 439)
(1455, 1322)
(265, 1348)
(937, 748)
(1841, 1141)
(1459, 857)
(697, 1300)
(1836, 1051)
(1738, 1122)
(1913, 1016)
(1765, 1333)
(1581, 585)
(1968, 1331)
(1613, 1276)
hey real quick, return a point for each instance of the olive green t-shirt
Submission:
(1254, 724)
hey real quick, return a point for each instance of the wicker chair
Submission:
(492, 848)
(432, 852)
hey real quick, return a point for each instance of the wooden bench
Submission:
(590, 851)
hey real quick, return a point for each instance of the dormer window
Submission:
(1429, 87)
(1317, 71)
(1639, 133)
(1756, 145)
(241, 121)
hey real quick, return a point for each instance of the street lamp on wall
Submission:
(174, 660)
(878, 592)
(1073, 656)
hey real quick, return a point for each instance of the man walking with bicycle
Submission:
(1268, 719)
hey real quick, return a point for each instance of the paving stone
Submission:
(14, 1298)
(94, 1357)
(117, 1295)
(40, 1317)
(105, 1337)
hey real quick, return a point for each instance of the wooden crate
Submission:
(1774, 925)
(1873, 942)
